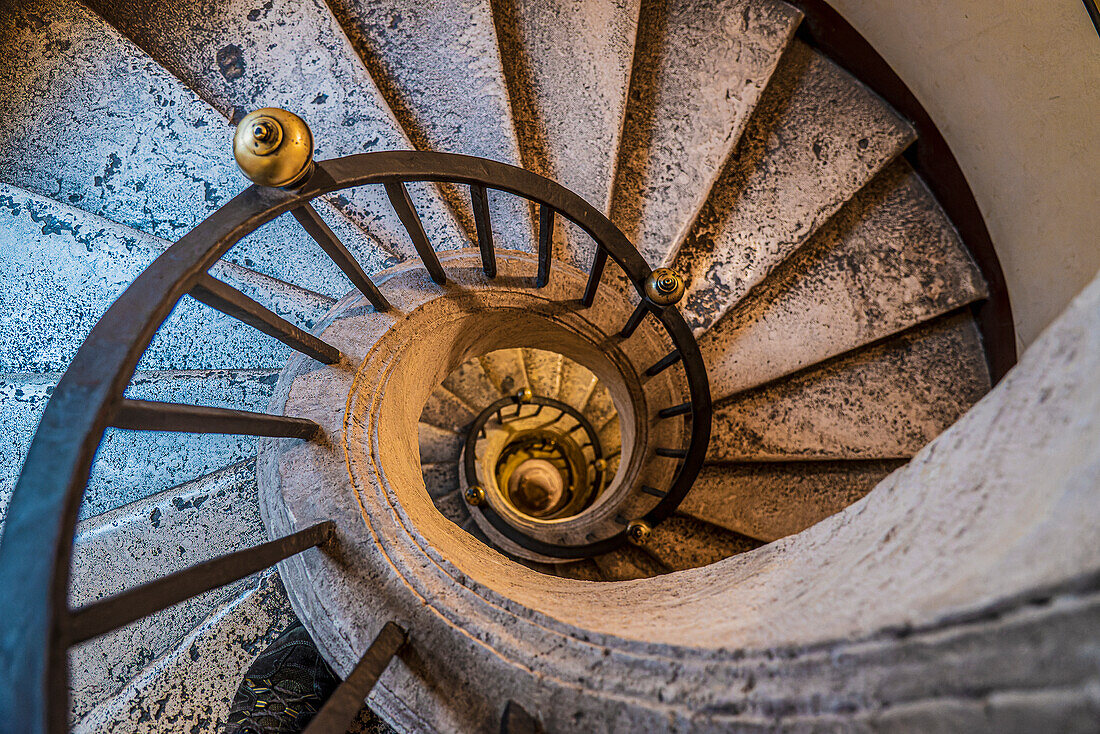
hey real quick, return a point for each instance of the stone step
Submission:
(611, 440)
(815, 139)
(628, 563)
(441, 478)
(599, 409)
(506, 370)
(887, 261)
(292, 55)
(438, 66)
(149, 153)
(882, 402)
(130, 465)
(682, 542)
(192, 686)
(72, 265)
(469, 383)
(543, 371)
(699, 70)
(141, 541)
(768, 501)
(567, 66)
(577, 384)
(453, 506)
(437, 445)
(446, 410)
(583, 570)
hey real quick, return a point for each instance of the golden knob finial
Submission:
(638, 532)
(523, 395)
(474, 495)
(664, 287)
(274, 147)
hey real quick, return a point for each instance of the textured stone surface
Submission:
(577, 383)
(888, 260)
(543, 371)
(71, 266)
(768, 501)
(446, 410)
(699, 69)
(241, 56)
(470, 384)
(567, 65)
(441, 478)
(884, 402)
(191, 687)
(148, 153)
(684, 542)
(134, 544)
(629, 563)
(599, 409)
(506, 371)
(438, 67)
(23, 397)
(438, 445)
(816, 137)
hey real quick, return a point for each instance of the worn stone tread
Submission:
(437, 445)
(681, 542)
(567, 67)
(599, 409)
(883, 402)
(73, 265)
(471, 385)
(628, 563)
(699, 69)
(543, 371)
(887, 261)
(441, 478)
(583, 570)
(138, 542)
(453, 506)
(577, 383)
(815, 139)
(505, 370)
(292, 55)
(768, 501)
(446, 410)
(149, 153)
(438, 67)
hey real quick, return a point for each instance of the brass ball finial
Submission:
(523, 395)
(600, 464)
(664, 287)
(274, 147)
(638, 532)
(474, 495)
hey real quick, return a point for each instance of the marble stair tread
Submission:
(567, 66)
(132, 464)
(769, 501)
(886, 401)
(582, 570)
(699, 70)
(628, 563)
(438, 445)
(543, 371)
(141, 541)
(887, 261)
(453, 507)
(438, 66)
(23, 397)
(471, 385)
(446, 410)
(292, 55)
(815, 139)
(505, 370)
(191, 687)
(440, 478)
(611, 441)
(148, 153)
(74, 265)
(600, 408)
(681, 542)
(577, 383)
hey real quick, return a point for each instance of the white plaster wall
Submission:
(1015, 89)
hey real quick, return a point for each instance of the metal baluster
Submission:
(672, 453)
(402, 204)
(120, 609)
(653, 491)
(347, 700)
(599, 261)
(635, 319)
(665, 362)
(312, 223)
(148, 415)
(546, 232)
(232, 302)
(484, 229)
(675, 410)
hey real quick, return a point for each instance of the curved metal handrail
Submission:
(36, 547)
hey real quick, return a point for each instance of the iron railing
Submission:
(35, 552)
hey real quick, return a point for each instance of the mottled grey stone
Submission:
(543, 371)
(440, 478)
(469, 383)
(446, 410)
(629, 563)
(699, 69)
(599, 409)
(681, 542)
(505, 370)
(23, 397)
(292, 55)
(888, 260)
(567, 65)
(438, 445)
(72, 265)
(139, 542)
(883, 402)
(768, 501)
(577, 383)
(816, 137)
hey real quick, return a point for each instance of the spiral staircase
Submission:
(480, 397)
